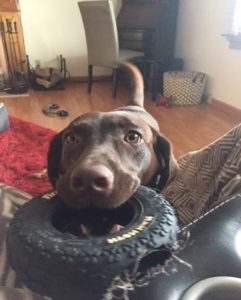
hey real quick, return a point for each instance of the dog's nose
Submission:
(96, 178)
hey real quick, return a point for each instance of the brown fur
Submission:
(99, 143)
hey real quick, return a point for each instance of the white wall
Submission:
(53, 27)
(201, 44)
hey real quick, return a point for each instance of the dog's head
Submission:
(101, 158)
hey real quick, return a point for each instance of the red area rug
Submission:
(24, 148)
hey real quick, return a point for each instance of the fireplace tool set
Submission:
(48, 78)
(15, 80)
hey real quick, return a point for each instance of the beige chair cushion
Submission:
(126, 54)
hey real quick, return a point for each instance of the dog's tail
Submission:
(137, 84)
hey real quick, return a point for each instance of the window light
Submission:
(237, 18)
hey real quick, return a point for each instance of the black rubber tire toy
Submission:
(57, 263)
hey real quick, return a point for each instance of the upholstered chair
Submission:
(102, 39)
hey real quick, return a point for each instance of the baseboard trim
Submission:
(85, 78)
(227, 108)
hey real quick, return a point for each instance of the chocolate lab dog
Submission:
(102, 157)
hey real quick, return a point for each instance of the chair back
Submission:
(101, 31)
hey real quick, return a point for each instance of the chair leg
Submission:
(90, 75)
(155, 80)
(114, 83)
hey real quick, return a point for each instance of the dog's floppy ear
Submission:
(54, 156)
(167, 163)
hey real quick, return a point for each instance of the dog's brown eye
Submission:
(133, 137)
(71, 138)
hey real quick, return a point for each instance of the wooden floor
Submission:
(189, 128)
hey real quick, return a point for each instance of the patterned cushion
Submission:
(18, 294)
(10, 199)
(206, 177)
